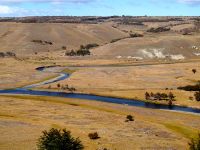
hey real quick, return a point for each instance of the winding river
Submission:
(62, 76)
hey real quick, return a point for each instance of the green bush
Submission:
(55, 139)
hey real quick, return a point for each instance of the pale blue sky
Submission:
(99, 7)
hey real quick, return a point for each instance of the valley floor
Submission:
(23, 118)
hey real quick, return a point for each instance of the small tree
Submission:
(151, 94)
(197, 96)
(170, 103)
(147, 96)
(195, 143)
(58, 85)
(82, 47)
(54, 139)
(194, 71)
(171, 96)
(130, 118)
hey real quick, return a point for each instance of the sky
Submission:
(19, 8)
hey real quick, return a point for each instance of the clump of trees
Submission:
(55, 139)
(66, 87)
(7, 54)
(195, 87)
(158, 29)
(159, 96)
(194, 144)
(93, 136)
(82, 51)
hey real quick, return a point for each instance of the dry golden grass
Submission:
(22, 118)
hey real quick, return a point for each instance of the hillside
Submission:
(150, 47)
(18, 37)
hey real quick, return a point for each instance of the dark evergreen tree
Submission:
(55, 139)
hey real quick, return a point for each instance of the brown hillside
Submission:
(18, 37)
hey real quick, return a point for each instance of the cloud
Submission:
(10, 10)
(5, 9)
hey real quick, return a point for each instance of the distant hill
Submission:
(118, 36)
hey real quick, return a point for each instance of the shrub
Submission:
(194, 71)
(42, 42)
(93, 136)
(54, 139)
(47, 42)
(191, 98)
(134, 35)
(37, 41)
(130, 118)
(64, 47)
(71, 53)
(10, 54)
(197, 96)
(58, 85)
(147, 96)
(2, 54)
(194, 144)
(7, 54)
